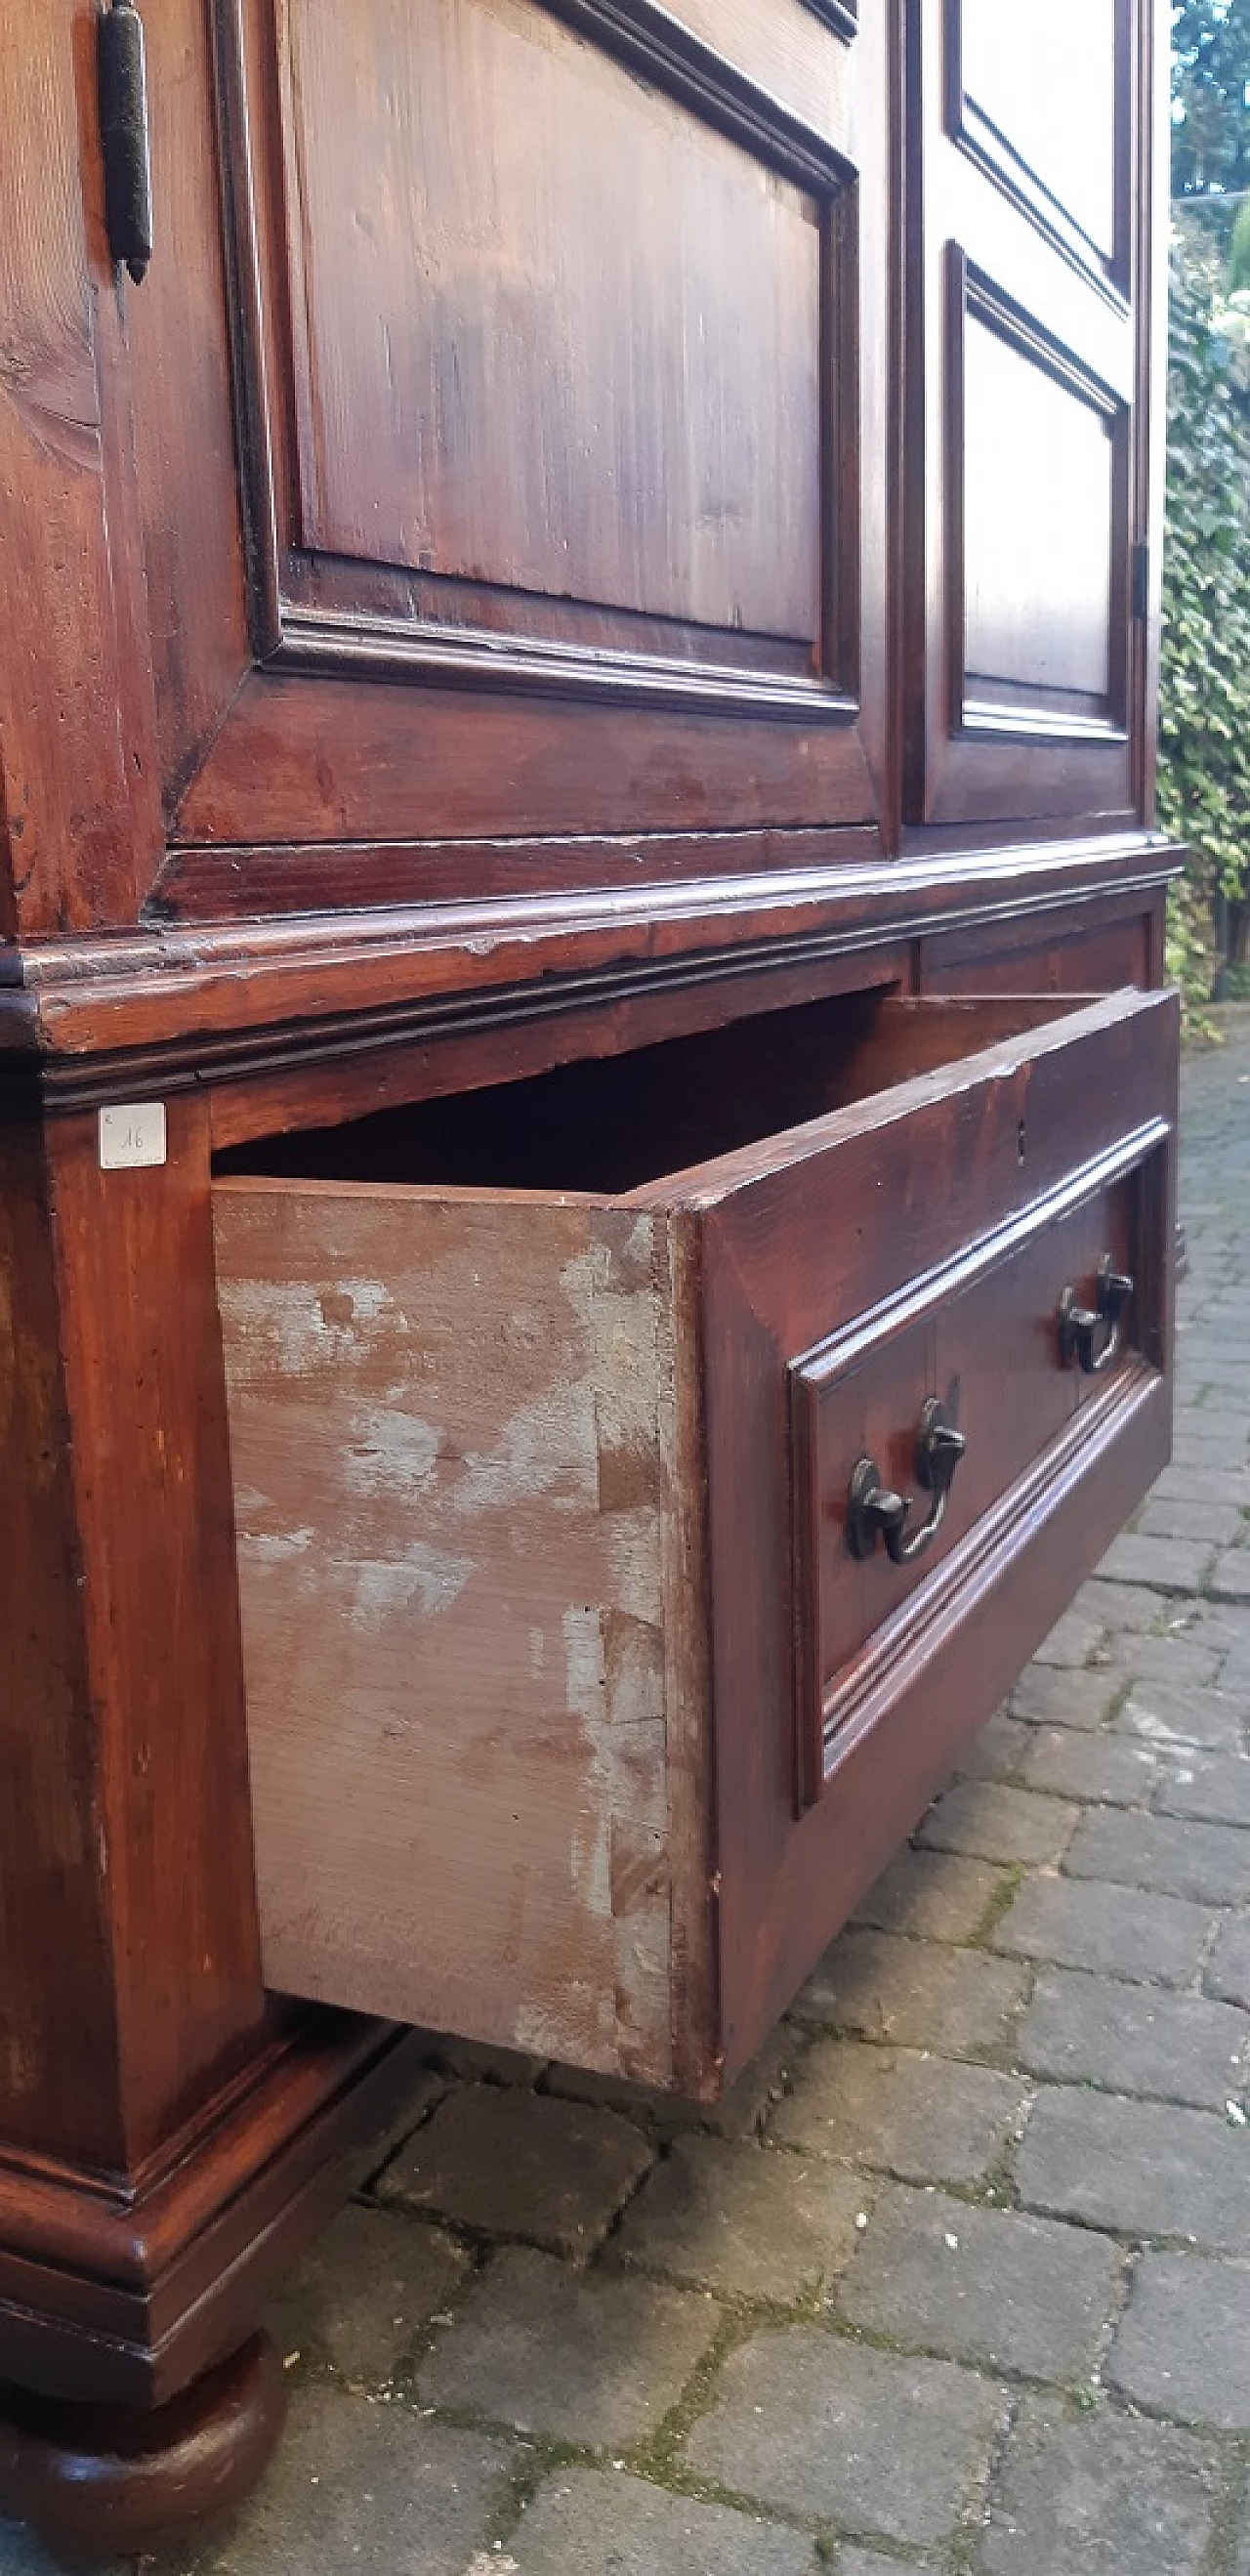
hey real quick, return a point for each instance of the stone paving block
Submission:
(1229, 1577)
(1133, 2039)
(742, 2219)
(994, 1823)
(476, 2063)
(1165, 1564)
(1223, 1486)
(806, 2420)
(1099, 2495)
(1200, 1519)
(1144, 2168)
(594, 2357)
(520, 2164)
(1210, 1864)
(983, 2285)
(914, 1993)
(1176, 1662)
(927, 2118)
(1182, 2344)
(1171, 1720)
(1206, 1436)
(737, 2114)
(1113, 1931)
(363, 2291)
(1113, 1769)
(588, 2523)
(1071, 1641)
(933, 1895)
(1228, 1968)
(1223, 1626)
(356, 2489)
(1055, 1697)
(22, 2555)
(869, 2562)
(1215, 1787)
(419, 2097)
(998, 1752)
(1119, 1606)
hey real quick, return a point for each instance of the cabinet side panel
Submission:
(447, 1482)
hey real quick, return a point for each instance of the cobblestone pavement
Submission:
(959, 2276)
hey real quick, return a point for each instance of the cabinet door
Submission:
(512, 441)
(1026, 497)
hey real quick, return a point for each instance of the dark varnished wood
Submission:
(78, 782)
(224, 997)
(1080, 1088)
(104, 2478)
(359, 754)
(537, 1228)
(1028, 417)
(569, 585)
(980, 1333)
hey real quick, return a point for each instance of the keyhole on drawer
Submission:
(1020, 1142)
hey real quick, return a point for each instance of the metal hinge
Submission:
(124, 137)
(1140, 587)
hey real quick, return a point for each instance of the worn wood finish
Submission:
(152, 1969)
(425, 1537)
(163, 1006)
(688, 535)
(466, 636)
(453, 1342)
(78, 816)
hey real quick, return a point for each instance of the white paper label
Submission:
(132, 1136)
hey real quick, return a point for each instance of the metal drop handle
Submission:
(874, 1512)
(1091, 1334)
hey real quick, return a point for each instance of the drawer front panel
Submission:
(916, 1245)
(982, 1335)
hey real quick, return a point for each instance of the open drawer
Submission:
(646, 1476)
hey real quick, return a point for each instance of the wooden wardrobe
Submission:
(589, 1112)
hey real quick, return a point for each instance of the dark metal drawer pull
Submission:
(874, 1512)
(1092, 1334)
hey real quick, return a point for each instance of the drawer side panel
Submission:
(448, 1488)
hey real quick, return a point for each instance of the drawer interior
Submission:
(615, 1124)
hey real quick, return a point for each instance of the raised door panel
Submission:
(1026, 502)
(558, 362)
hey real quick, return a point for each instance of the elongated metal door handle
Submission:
(874, 1512)
(1091, 1334)
(122, 71)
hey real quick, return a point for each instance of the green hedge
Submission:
(1204, 740)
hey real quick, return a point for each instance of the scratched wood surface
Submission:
(513, 1495)
(451, 1529)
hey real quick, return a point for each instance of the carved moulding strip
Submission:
(841, 15)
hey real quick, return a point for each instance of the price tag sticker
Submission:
(132, 1136)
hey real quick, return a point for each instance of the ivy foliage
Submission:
(1210, 70)
(1204, 730)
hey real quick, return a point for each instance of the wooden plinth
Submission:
(101, 2481)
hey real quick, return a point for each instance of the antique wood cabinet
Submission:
(589, 1114)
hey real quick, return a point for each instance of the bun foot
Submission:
(102, 2481)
